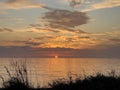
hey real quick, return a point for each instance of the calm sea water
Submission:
(43, 70)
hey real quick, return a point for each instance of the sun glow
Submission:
(56, 56)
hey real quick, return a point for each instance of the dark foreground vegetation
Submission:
(19, 81)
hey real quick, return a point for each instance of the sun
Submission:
(56, 56)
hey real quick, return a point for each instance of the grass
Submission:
(19, 81)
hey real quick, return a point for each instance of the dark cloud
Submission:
(1, 30)
(62, 19)
(9, 30)
(29, 43)
(45, 37)
(22, 51)
(40, 28)
(6, 29)
(65, 19)
(14, 51)
(19, 41)
(75, 3)
(87, 37)
(76, 31)
(34, 25)
(55, 29)
(66, 28)
(45, 29)
(109, 52)
(70, 39)
(115, 39)
(33, 43)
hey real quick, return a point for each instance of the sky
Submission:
(66, 28)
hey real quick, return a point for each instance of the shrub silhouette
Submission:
(97, 82)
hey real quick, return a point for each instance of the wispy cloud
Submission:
(20, 4)
(103, 4)
(8, 43)
(76, 42)
(5, 29)
(41, 28)
(107, 4)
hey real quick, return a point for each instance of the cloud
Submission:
(8, 43)
(49, 30)
(75, 42)
(73, 30)
(55, 18)
(103, 4)
(20, 4)
(107, 4)
(65, 52)
(14, 51)
(20, 43)
(76, 45)
(26, 51)
(66, 40)
(34, 25)
(115, 40)
(65, 19)
(39, 27)
(32, 43)
(5, 29)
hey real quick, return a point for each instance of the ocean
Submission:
(44, 70)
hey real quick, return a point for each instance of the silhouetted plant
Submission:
(92, 82)
(19, 78)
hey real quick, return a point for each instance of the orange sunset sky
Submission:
(66, 28)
